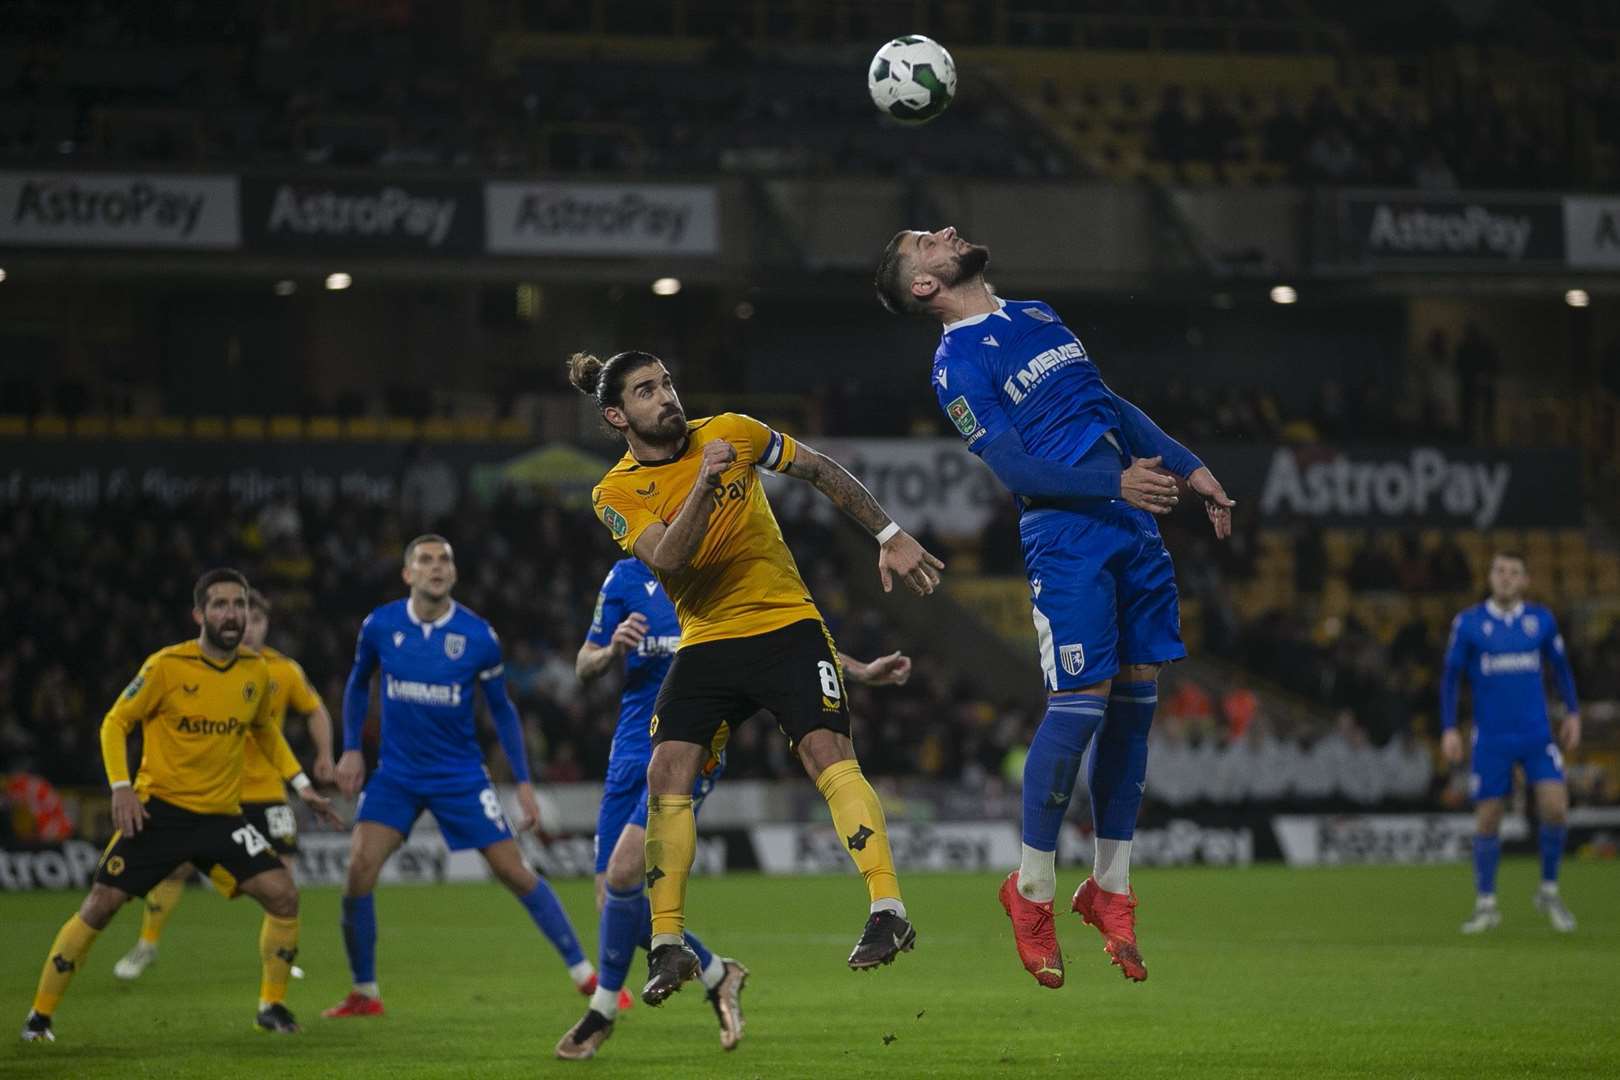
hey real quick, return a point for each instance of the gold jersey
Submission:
(289, 691)
(742, 581)
(195, 716)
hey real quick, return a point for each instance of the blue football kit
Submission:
(630, 588)
(1502, 652)
(430, 758)
(1102, 586)
(626, 921)
(1026, 397)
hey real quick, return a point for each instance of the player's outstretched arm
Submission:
(891, 670)
(594, 660)
(898, 553)
(668, 548)
(1141, 433)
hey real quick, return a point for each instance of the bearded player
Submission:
(687, 500)
(1088, 468)
(197, 704)
(635, 623)
(264, 799)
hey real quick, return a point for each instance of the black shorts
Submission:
(792, 673)
(171, 836)
(275, 822)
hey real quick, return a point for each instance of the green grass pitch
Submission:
(1255, 973)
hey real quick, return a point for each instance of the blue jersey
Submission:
(1501, 651)
(630, 587)
(1020, 369)
(429, 672)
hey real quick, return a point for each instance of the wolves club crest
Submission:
(455, 645)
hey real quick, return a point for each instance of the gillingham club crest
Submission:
(1073, 658)
(455, 645)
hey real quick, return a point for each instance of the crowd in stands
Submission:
(98, 589)
(398, 86)
(95, 591)
(1469, 138)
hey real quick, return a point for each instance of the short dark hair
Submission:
(220, 575)
(257, 601)
(893, 292)
(425, 538)
(1516, 556)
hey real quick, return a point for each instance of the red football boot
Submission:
(1034, 933)
(356, 1004)
(1114, 914)
(588, 987)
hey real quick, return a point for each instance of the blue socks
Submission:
(360, 937)
(702, 950)
(1054, 763)
(548, 914)
(627, 924)
(625, 918)
(1487, 853)
(1117, 774)
(1551, 839)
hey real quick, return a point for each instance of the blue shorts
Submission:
(1103, 592)
(1491, 771)
(624, 801)
(469, 817)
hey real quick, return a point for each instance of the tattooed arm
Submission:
(898, 553)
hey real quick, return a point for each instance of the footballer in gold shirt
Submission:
(264, 793)
(687, 501)
(197, 703)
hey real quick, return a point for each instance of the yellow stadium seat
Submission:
(323, 427)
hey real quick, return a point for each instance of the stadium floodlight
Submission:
(1577, 298)
(1283, 294)
(286, 287)
(2, 273)
(666, 286)
(338, 280)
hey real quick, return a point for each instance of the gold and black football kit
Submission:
(196, 717)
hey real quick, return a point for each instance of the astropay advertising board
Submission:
(145, 210)
(538, 218)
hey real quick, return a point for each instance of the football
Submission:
(912, 79)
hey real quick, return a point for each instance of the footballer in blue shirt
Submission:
(635, 621)
(1501, 645)
(1090, 471)
(434, 655)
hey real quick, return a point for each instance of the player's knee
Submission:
(100, 905)
(674, 768)
(626, 868)
(1142, 672)
(822, 749)
(277, 894)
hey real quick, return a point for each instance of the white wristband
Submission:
(885, 534)
(301, 783)
(116, 784)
